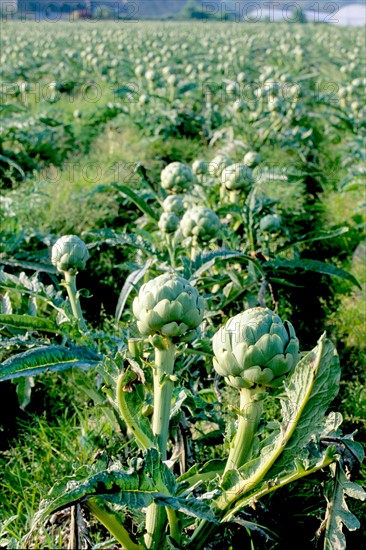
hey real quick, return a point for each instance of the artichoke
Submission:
(255, 348)
(200, 223)
(237, 176)
(176, 177)
(199, 167)
(168, 222)
(270, 223)
(218, 164)
(69, 253)
(252, 159)
(168, 306)
(173, 204)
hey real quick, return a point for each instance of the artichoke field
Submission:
(182, 239)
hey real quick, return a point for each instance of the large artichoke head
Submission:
(69, 253)
(168, 306)
(255, 349)
(176, 177)
(201, 223)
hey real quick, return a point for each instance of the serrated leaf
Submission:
(146, 481)
(28, 322)
(47, 358)
(312, 265)
(310, 390)
(338, 513)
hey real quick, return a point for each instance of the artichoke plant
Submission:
(255, 348)
(200, 223)
(168, 306)
(69, 253)
(253, 351)
(176, 178)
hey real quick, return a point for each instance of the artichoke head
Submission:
(201, 223)
(255, 349)
(168, 306)
(237, 176)
(173, 205)
(168, 222)
(176, 177)
(69, 253)
(270, 223)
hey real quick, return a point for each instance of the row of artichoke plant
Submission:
(254, 352)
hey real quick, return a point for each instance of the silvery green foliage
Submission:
(168, 305)
(219, 163)
(168, 222)
(270, 223)
(237, 176)
(69, 253)
(176, 177)
(201, 223)
(252, 159)
(173, 205)
(255, 347)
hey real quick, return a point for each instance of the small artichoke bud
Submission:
(237, 176)
(218, 164)
(173, 205)
(168, 222)
(168, 306)
(201, 223)
(255, 348)
(199, 167)
(69, 253)
(176, 177)
(270, 223)
(252, 159)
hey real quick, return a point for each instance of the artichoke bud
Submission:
(237, 176)
(255, 348)
(201, 223)
(168, 222)
(270, 223)
(69, 253)
(168, 306)
(173, 205)
(176, 177)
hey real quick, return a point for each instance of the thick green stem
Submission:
(109, 520)
(251, 407)
(163, 389)
(70, 284)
